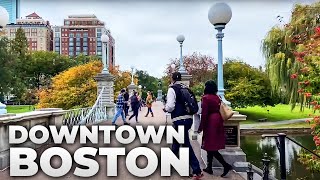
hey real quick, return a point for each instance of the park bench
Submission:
(263, 119)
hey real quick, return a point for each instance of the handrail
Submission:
(93, 107)
(280, 141)
(302, 146)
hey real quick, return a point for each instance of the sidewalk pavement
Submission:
(254, 125)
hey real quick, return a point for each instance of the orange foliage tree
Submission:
(76, 86)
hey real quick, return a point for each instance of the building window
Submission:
(98, 29)
(85, 49)
(56, 39)
(85, 44)
(71, 49)
(71, 35)
(85, 34)
(67, 22)
(57, 34)
(98, 43)
(99, 34)
(78, 35)
(78, 39)
(57, 44)
(77, 43)
(85, 39)
(85, 53)
(98, 39)
(57, 29)
(99, 48)
(77, 48)
(71, 39)
(70, 53)
(77, 53)
(70, 43)
(57, 49)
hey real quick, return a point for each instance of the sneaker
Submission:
(197, 176)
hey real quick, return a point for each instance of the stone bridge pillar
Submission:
(106, 80)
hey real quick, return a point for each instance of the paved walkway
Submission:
(254, 125)
(158, 119)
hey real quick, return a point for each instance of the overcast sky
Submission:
(145, 30)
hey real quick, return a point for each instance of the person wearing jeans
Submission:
(180, 117)
(119, 107)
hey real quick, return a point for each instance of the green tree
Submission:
(43, 65)
(148, 81)
(6, 68)
(246, 85)
(281, 45)
(19, 48)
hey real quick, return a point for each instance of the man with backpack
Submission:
(182, 104)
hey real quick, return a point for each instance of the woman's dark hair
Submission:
(210, 87)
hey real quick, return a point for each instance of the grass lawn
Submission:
(19, 108)
(294, 125)
(278, 113)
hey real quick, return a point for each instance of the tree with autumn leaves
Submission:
(293, 65)
(76, 86)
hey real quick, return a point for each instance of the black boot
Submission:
(152, 114)
(209, 163)
(226, 170)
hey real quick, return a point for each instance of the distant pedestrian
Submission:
(140, 100)
(149, 102)
(119, 108)
(126, 99)
(214, 137)
(135, 104)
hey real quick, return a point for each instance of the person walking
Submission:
(126, 99)
(149, 102)
(140, 101)
(119, 108)
(214, 137)
(180, 117)
(135, 104)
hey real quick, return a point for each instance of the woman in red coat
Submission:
(213, 129)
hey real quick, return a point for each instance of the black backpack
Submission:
(189, 99)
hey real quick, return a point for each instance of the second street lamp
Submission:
(105, 42)
(180, 39)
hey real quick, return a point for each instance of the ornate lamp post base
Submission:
(107, 81)
(221, 94)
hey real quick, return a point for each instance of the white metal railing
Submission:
(90, 115)
(74, 116)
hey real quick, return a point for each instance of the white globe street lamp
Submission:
(219, 15)
(132, 68)
(4, 17)
(105, 42)
(140, 86)
(4, 20)
(180, 39)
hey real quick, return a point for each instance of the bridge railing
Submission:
(280, 141)
(90, 115)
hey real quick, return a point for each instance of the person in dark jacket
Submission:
(126, 99)
(214, 137)
(180, 117)
(135, 104)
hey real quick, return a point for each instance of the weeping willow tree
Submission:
(281, 46)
